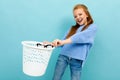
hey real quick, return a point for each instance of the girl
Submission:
(76, 44)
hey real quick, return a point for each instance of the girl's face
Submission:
(80, 16)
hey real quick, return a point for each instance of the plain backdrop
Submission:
(40, 20)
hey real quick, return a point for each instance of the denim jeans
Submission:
(63, 62)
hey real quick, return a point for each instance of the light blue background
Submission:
(41, 20)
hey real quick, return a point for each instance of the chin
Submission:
(81, 24)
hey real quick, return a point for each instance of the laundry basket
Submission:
(35, 57)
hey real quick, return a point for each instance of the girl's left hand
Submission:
(46, 42)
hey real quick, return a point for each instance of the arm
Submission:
(86, 36)
(58, 42)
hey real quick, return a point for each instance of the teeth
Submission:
(79, 20)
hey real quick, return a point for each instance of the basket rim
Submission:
(25, 43)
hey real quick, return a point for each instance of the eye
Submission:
(75, 16)
(80, 14)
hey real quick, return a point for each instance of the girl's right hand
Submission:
(57, 42)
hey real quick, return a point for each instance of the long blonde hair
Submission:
(89, 20)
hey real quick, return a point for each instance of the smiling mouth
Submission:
(80, 20)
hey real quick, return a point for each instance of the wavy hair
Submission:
(76, 26)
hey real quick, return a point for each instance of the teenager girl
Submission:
(76, 44)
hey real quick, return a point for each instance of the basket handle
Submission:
(45, 45)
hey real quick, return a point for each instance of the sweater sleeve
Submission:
(86, 36)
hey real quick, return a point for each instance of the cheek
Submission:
(84, 21)
(85, 18)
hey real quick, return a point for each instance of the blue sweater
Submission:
(81, 43)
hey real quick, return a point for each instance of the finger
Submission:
(55, 43)
(46, 42)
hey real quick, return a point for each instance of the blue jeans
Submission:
(63, 62)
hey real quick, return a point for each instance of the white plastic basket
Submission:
(35, 58)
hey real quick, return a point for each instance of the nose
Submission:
(77, 18)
